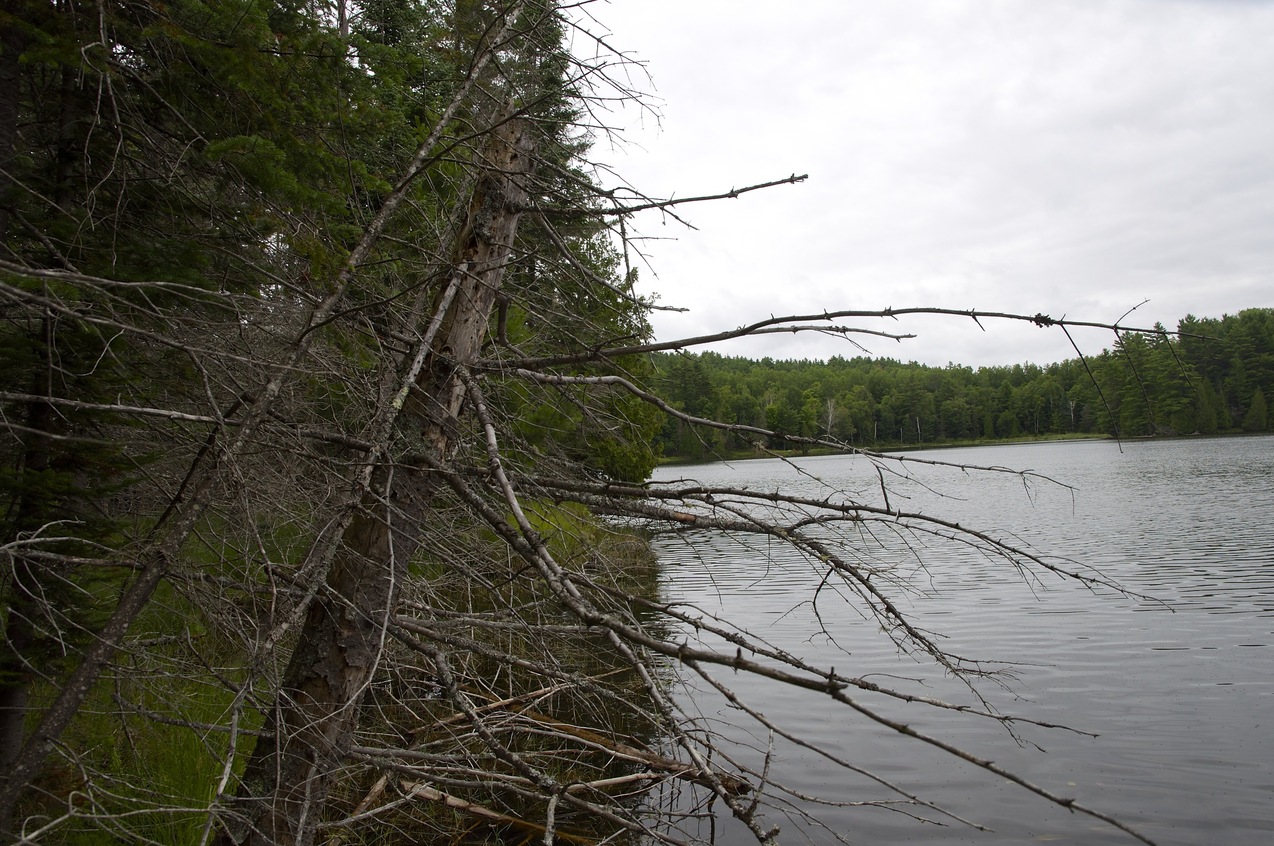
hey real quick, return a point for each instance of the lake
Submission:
(1176, 676)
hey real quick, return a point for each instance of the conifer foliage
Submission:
(1207, 378)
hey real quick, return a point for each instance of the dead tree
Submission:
(311, 727)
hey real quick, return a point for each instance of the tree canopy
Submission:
(1211, 375)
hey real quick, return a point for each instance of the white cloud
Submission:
(1063, 157)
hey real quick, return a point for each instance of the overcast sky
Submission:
(1069, 157)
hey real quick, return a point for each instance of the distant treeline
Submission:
(1214, 378)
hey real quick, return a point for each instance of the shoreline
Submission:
(752, 455)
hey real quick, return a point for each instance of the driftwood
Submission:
(671, 766)
(660, 767)
(424, 791)
(625, 751)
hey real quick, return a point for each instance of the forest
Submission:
(327, 401)
(1210, 375)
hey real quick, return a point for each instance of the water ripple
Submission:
(1181, 686)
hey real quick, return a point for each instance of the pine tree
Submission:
(1257, 417)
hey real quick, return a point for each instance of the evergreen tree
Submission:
(1206, 416)
(1257, 417)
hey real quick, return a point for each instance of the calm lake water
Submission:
(1177, 681)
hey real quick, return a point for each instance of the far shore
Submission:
(753, 454)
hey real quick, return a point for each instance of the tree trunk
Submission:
(315, 714)
(27, 581)
(29, 584)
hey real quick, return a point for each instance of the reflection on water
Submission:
(1177, 678)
